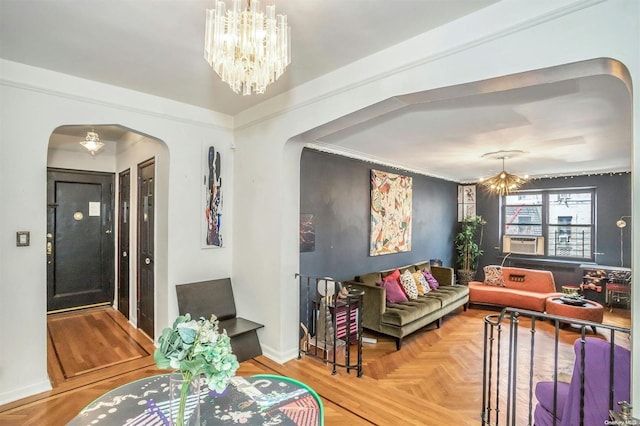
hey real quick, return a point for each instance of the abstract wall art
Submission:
(212, 182)
(391, 209)
(307, 233)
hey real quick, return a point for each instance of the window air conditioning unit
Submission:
(523, 245)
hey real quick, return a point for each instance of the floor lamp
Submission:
(621, 223)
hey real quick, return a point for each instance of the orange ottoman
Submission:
(590, 311)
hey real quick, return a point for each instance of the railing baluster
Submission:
(493, 349)
(531, 367)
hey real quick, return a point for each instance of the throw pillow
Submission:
(393, 292)
(493, 275)
(433, 283)
(421, 282)
(395, 274)
(409, 285)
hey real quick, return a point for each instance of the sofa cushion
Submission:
(433, 283)
(394, 293)
(447, 295)
(409, 285)
(372, 278)
(423, 266)
(528, 279)
(400, 314)
(493, 275)
(458, 291)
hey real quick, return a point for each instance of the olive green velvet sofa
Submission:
(401, 319)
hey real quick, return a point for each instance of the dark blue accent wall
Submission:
(336, 190)
(613, 200)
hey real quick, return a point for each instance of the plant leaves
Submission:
(161, 361)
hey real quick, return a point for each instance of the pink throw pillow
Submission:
(433, 283)
(394, 291)
(396, 276)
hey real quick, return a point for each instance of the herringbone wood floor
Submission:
(435, 379)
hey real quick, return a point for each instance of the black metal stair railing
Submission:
(331, 322)
(515, 342)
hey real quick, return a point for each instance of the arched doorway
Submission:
(123, 280)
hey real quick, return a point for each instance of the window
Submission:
(564, 218)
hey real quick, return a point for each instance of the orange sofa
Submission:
(523, 288)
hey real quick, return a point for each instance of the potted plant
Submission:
(468, 243)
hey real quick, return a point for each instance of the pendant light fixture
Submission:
(504, 182)
(92, 142)
(248, 49)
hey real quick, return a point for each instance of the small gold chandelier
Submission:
(503, 183)
(247, 48)
(92, 142)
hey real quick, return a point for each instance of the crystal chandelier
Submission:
(247, 48)
(503, 183)
(92, 142)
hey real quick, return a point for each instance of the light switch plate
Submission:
(22, 238)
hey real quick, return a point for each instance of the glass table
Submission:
(255, 400)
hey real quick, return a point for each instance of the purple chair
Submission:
(596, 387)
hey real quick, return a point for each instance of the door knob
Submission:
(147, 261)
(108, 231)
(124, 254)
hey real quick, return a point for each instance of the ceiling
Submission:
(581, 125)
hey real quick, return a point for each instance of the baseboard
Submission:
(279, 357)
(24, 392)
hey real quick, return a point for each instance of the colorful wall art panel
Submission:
(391, 203)
(212, 199)
(307, 233)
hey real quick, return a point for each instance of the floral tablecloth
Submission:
(246, 401)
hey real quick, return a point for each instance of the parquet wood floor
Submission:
(435, 379)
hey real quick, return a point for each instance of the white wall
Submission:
(33, 102)
(515, 37)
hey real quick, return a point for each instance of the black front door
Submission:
(80, 260)
(146, 182)
(124, 218)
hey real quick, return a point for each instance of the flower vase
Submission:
(184, 400)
